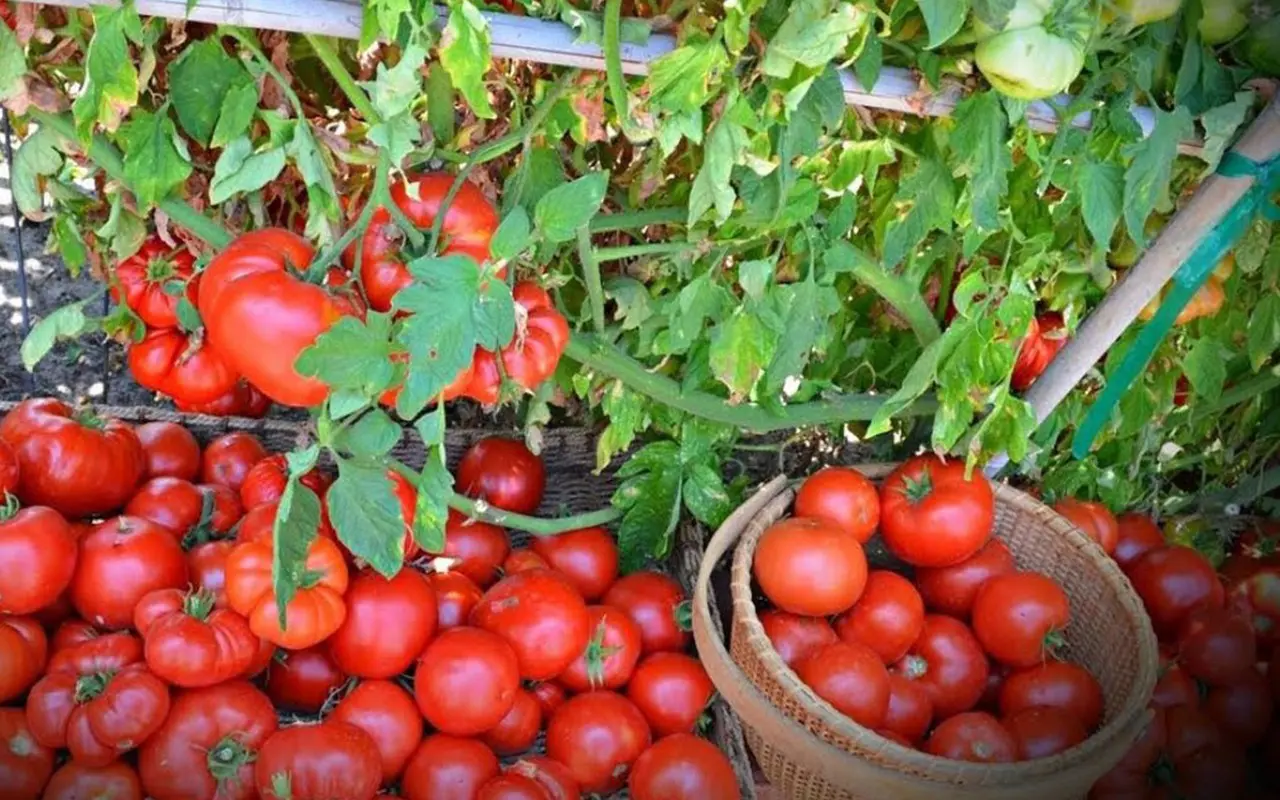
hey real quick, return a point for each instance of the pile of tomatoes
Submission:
(142, 651)
(961, 660)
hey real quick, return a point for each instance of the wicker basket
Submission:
(807, 749)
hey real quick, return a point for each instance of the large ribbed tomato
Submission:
(244, 400)
(146, 282)
(532, 356)
(327, 761)
(188, 642)
(25, 764)
(316, 610)
(181, 366)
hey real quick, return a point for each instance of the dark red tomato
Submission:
(951, 590)
(244, 400)
(191, 644)
(322, 761)
(73, 781)
(887, 618)
(532, 356)
(1136, 534)
(542, 617)
(75, 462)
(121, 560)
(1217, 646)
(504, 473)
(56, 613)
(995, 682)
(1273, 673)
(180, 366)
(1044, 732)
(655, 602)
(1128, 779)
(407, 603)
(1094, 519)
(555, 779)
(683, 767)
(510, 786)
(1046, 336)
(1217, 771)
(10, 471)
(522, 560)
(206, 747)
(598, 736)
(151, 281)
(478, 548)
(949, 663)
(672, 690)
(265, 481)
(844, 498)
(795, 636)
(171, 450)
(587, 557)
(1253, 589)
(610, 656)
(228, 458)
(456, 596)
(1242, 710)
(1054, 684)
(24, 648)
(303, 680)
(931, 515)
(910, 711)
(207, 569)
(517, 730)
(851, 678)
(972, 736)
(446, 766)
(70, 633)
(1174, 687)
(550, 696)
(808, 566)
(25, 765)
(42, 544)
(390, 716)
(1189, 730)
(1019, 618)
(172, 503)
(1173, 582)
(466, 681)
(265, 656)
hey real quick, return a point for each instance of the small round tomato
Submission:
(228, 458)
(951, 590)
(242, 401)
(25, 764)
(361, 647)
(510, 786)
(122, 560)
(1054, 684)
(188, 642)
(794, 636)
(303, 680)
(319, 762)
(207, 568)
(390, 716)
(478, 548)
(1242, 710)
(171, 450)
(598, 736)
(206, 748)
(41, 541)
(1217, 646)
(910, 710)
(447, 766)
(672, 690)
(518, 729)
(542, 617)
(504, 473)
(932, 515)
(523, 559)
(683, 767)
(972, 736)
(550, 696)
(10, 471)
(265, 481)
(656, 603)
(152, 281)
(1173, 582)
(556, 780)
(466, 681)
(456, 596)
(317, 609)
(181, 366)
(172, 503)
(948, 662)
(1136, 534)
(851, 677)
(887, 618)
(1094, 519)
(76, 781)
(1044, 732)
(808, 566)
(610, 656)
(588, 558)
(1019, 618)
(842, 497)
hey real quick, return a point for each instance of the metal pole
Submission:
(21, 251)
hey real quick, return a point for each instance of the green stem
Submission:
(613, 64)
(535, 525)
(650, 249)
(591, 276)
(897, 292)
(357, 230)
(605, 223)
(328, 55)
(1257, 385)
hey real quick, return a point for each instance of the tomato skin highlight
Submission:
(598, 736)
(683, 767)
(887, 617)
(541, 616)
(931, 515)
(843, 497)
(1136, 535)
(794, 636)
(652, 600)
(171, 450)
(389, 715)
(323, 761)
(39, 539)
(228, 459)
(672, 690)
(851, 678)
(466, 681)
(1094, 519)
(808, 566)
(504, 473)
(120, 561)
(25, 765)
(456, 596)
(446, 766)
(952, 590)
(1172, 582)
(361, 646)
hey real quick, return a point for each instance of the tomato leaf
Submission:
(37, 158)
(70, 242)
(68, 322)
(156, 160)
(13, 64)
(435, 485)
(1264, 330)
(564, 209)
(440, 110)
(649, 495)
(124, 229)
(111, 79)
(725, 146)
(512, 236)
(590, 27)
(239, 169)
(705, 495)
(366, 514)
(1220, 126)
(943, 18)
(383, 16)
(920, 377)
(869, 63)
(628, 415)
(1146, 181)
(201, 80)
(1205, 366)
(371, 436)
(814, 33)
(1101, 185)
(397, 135)
(741, 347)
(393, 90)
(296, 523)
(930, 193)
(682, 79)
(236, 113)
(980, 143)
(464, 51)
(352, 355)
(993, 13)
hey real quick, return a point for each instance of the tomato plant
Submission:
(1018, 618)
(74, 780)
(228, 459)
(1054, 684)
(317, 607)
(610, 657)
(1094, 519)
(24, 649)
(478, 548)
(1217, 647)
(1044, 732)
(910, 711)
(190, 643)
(952, 590)
(588, 558)
(180, 366)
(653, 601)
(794, 636)
(456, 596)
(25, 765)
(151, 280)
(504, 473)
(851, 677)
(518, 728)
(1173, 582)
(445, 764)
(303, 680)
(949, 663)
(972, 736)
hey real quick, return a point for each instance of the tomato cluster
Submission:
(140, 635)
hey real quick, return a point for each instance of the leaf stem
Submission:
(357, 230)
(535, 525)
(591, 276)
(650, 249)
(617, 82)
(328, 56)
(604, 223)
(897, 292)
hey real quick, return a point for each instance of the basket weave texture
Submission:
(807, 749)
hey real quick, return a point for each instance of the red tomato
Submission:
(1173, 582)
(323, 761)
(541, 616)
(1253, 589)
(1217, 647)
(40, 541)
(70, 633)
(931, 515)
(1174, 687)
(257, 526)
(1094, 519)
(672, 690)
(477, 547)
(910, 711)
(972, 736)
(206, 748)
(504, 473)
(842, 497)
(1018, 618)
(389, 715)
(456, 596)
(171, 450)
(178, 506)
(23, 652)
(598, 736)
(446, 766)
(77, 781)
(317, 609)
(207, 568)
(1054, 684)
(556, 780)
(244, 400)
(795, 636)
(303, 680)
(550, 696)
(851, 678)
(466, 681)
(265, 481)
(151, 281)
(610, 656)
(188, 642)
(25, 764)
(949, 663)
(654, 602)
(531, 357)
(228, 458)
(122, 560)
(887, 618)
(808, 566)
(1044, 732)
(522, 560)
(1046, 336)
(1136, 534)
(588, 558)
(683, 767)
(75, 462)
(361, 647)
(9, 470)
(181, 366)
(951, 590)
(510, 786)
(1242, 710)
(518, 728)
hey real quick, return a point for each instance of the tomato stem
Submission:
(328, 55)
(198, 604)
(591, 276)
(88, 687)
(535, 525)
(10, 508)
(225, 759)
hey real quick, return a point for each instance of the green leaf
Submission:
(68, 322)
(397, 135)
(239, 169)
(383, 16)
(682, 79)
(464, 51)
(1146, 181)
(705, 495)
(564, 209)
(627, 413)
(352, 355)
(342, 403)
(70, 243)
(814, 33)
(371, 436)
(631, 299)
(13, 64)
(726, 144)
(431, 514)
(920, 377)
(393, 90)
(1251, 248)
(1205, 366)
(930, 193)
(649, 496)
(188, 316)
(366, 515)
(201, 80)
(431, 426)
(1101, 186)
(1220, 126)
(238, 107)
(1264, 330)
(869, 63)
(124, 229)
(440, 109)
(980, 143)
(296, 524)
(753, 276)
(993, 13)
(807, 308)
(741, 347)
(155, 159)
(590, 27)
(111, 80)
(36, 158)
(512, 236)
(943, 18)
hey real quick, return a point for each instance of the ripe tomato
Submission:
(1253, 589)
(972, 736)
(504, 473)
(151, 281)
(951, 590)
(611, 653)
(672, 690)
(9, 470)
(550, 696)
(244, 400)
(76, 781)
(1220, 770)
(523, 559)
(541, 616)
(72, 632)
(265, 481)
(178, 506)
(171, 450)
(477, 547)
(1217, 646)
(318, 762)
(120, 561)
(1174, 687)
(683, 767)
(75, 462)
(795, 636)
(842, 497)
(910, 711)
(808, 566)
(1018, 618)
(207, 569)
(598, 736)
(447, 766)
(654, 602)
(1136, 534)
(24, 649)
(931, 515)
(389, 715)
(510, 786)
(228, 458)
(518, 728)
(40, 550)
(1242, 710)
(317, 609)
(181, 366)
(188, 642)
(206, 748)
(1045, 337)
(258, 522)
(456, 596)
(532, 356)
(466, 681)
(556, 780)
(1054, 684)
(949, 663)
(851, 678)
(1094, 519)
(1044, 732)
(361, 646)
(887, 618)
(25, 764)
(1173, 582)
(588, 558)
(303, 680)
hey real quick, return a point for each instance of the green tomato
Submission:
(1261, 47)
(1039, 52)
(1142, 12)
(1223, 20)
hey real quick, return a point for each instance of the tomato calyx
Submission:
(10, 508)
(198, 604)
(683, 614)
(89, 687)
(225, 759)
(311, 578)
(913, 667)
(596, 654)
(282, 786)
(202, 532)
(1052, 644)
(159, 270)
(21, 745)
(90, 420)
(916, 490)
